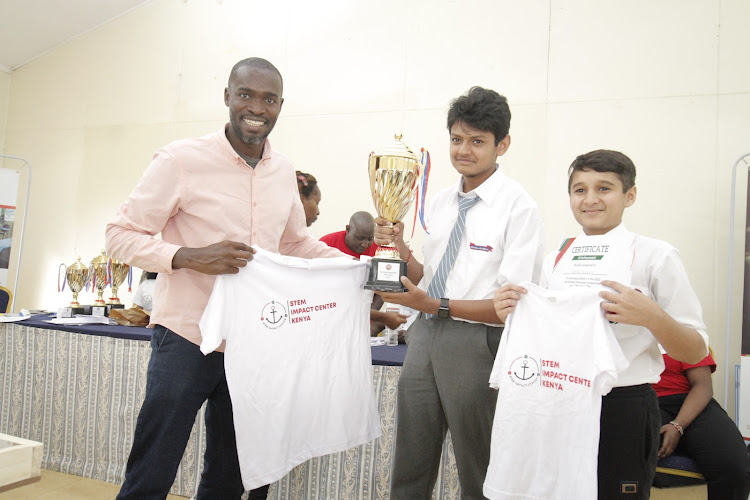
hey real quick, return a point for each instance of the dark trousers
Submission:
(628, 443)
(179, 379)
(444, 384)
(716, 445)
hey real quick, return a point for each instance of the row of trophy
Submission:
(102, 272)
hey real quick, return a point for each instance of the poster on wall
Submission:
(8, 194)
(746, 287)
(744, 403)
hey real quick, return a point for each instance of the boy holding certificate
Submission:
(649, 301)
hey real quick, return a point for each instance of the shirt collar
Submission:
(618, 231)
(488, 190)
(267, 151)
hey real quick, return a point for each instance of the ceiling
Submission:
(29, 28)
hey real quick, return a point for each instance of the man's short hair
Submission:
(605, 160)
(258, 63)
(482, 109)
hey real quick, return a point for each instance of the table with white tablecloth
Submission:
(79, 389)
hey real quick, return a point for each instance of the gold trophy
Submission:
(118, 272)
(76, 275)
(393, 184)
(99, 270)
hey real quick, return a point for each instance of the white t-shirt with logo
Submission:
(558, 356)
(297, 360)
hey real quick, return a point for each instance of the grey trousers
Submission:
(444, 384)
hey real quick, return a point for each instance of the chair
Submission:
(6, 299)
(677, 470)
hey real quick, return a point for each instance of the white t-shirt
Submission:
(658, 272)
(297, 360)
(144, 295)
(556, 359)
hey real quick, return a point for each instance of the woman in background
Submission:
(309, 193)
(695, 425)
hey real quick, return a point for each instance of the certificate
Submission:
(585, 261)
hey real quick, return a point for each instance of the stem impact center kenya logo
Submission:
(273, 315)
(276, 314)
(524, 370)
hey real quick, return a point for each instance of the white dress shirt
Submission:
(502, 242)
(658, 272)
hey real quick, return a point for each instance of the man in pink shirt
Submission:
(210, 198)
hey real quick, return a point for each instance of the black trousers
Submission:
(628, 443)
(716, 445)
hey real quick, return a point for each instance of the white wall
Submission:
(4, 100)
(666, 82)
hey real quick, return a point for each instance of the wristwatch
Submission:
(443, 311)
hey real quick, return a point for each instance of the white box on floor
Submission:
(20, 459)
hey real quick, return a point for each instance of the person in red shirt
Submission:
(695, 425)
(356, 240)
(359, 237)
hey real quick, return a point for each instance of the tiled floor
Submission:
(682, 493)
(58, 486)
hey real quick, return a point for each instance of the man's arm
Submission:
(155, 199)
(226, 257)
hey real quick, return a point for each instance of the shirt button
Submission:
(255, 204)
(254, 234)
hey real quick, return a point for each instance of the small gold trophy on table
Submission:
(118, 272)
(76, 275)
(394, 173)
(99, 270)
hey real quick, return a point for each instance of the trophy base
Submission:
(109, 307)
(76, 310)
(385, 275)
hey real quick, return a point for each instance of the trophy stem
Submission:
(388, 251)
(75, 303)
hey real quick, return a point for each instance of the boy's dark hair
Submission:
(605, 160)
(482, 109)
(306, 184)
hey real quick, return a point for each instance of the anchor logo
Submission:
(273, 315)
(524, 370)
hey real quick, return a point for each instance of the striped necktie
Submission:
(436, 289)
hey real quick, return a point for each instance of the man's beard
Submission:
(253, 140)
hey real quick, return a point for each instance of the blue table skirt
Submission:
(381, 355)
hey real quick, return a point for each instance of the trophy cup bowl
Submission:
(393, 184)
(76, 275)
(99, 268)
(119, 271)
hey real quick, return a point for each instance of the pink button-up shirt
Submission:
(197, 192)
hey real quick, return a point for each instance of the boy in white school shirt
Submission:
(483, 232)
(659, 308)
